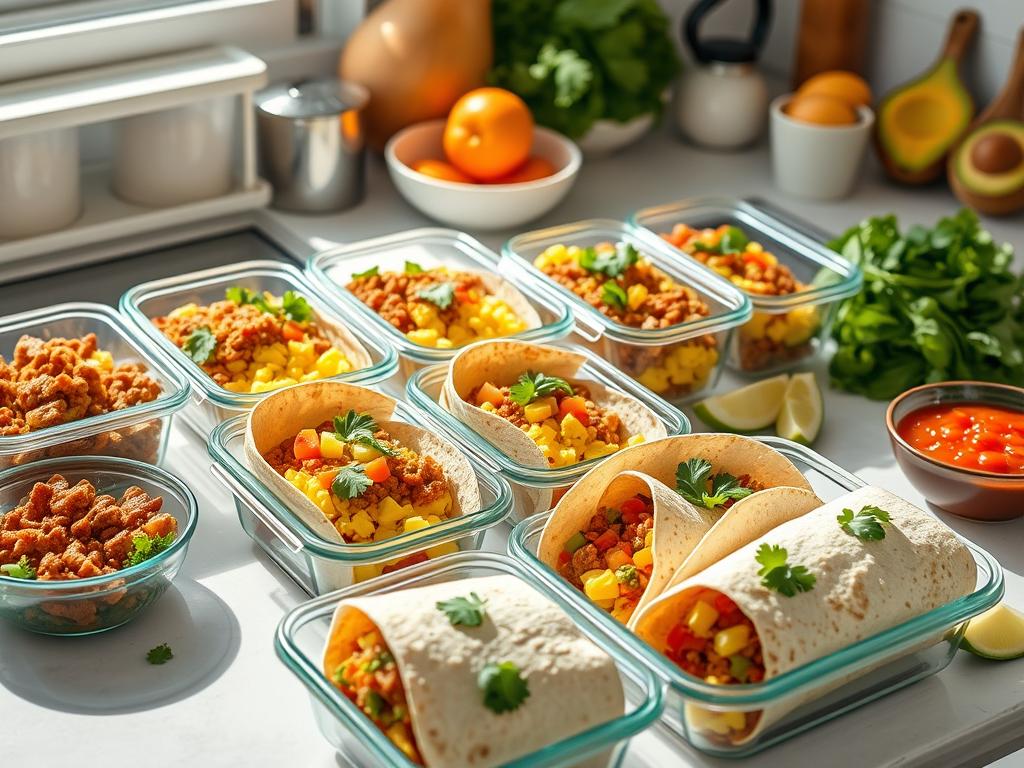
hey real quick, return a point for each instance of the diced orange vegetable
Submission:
(292, 331)
(419, 557)
(306, 445)
(616, 558)
(606, 540)
(757, 258)
(575, 405)
(488, 393)
(378, 470)
(326, 479)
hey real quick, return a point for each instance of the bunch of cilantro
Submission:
(938, 304)
(577, 61)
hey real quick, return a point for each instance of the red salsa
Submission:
(968, 436)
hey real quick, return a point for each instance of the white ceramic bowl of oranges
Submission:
(820, 134)
(487, 166)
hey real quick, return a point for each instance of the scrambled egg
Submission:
(788, 328)
(281, 365)
(489, 319)
(688, 365)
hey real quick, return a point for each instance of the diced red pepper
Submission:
(326, 479)
(756, 258)
(724, 605)
(564, 557)
(306, 445)
(681, 639)
(292, 331)
(378, 470)
(626, 547)
(575, 405)
(405, 562)
(633, 507)
(606, 540)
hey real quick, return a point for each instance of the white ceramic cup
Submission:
(176, 156)
(40, 183)
(821, 162)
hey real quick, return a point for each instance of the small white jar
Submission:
(40, 183)
(722, 105)
(176, 156)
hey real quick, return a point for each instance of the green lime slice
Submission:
(998, 633)
(746, 409)
(802, 410)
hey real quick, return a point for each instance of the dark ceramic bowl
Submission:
(974, 494)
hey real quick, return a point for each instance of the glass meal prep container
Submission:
(99, 603)
(677, 362)
(214, 403)
(424, 389)
(301, 636)
(785, 329)
(318, 565)
(880, 664)
(429, 248)
(137, 432)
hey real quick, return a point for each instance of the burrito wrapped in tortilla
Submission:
(840, 573)
(620, 537)
(534, 404)
(337, 457)
(474, 672)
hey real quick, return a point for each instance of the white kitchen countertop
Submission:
(225, 699)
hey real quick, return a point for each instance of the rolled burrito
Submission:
(420, 663)
(840, 573)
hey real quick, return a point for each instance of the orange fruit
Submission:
(489, 133)
(821, 110)
(838, 84)
(439, 169)
(534, 168)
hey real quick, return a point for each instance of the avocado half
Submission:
(919, 122)
(987, 170)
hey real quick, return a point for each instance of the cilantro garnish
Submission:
(350, 482)
(866, 524)
(293, 306)
(503, 686)
(200, 344)
(20, 570)
(359, 428)
(779, 575)
(374, 704)
(692, 478)
(368, 273)
(627, 575)
(613, 295)
(530, 386)
(463, 611)
(611, 263)
(160, 655)
(239, 295)
(412, 268)
(145, 547)
(733, 240)
(440, 294)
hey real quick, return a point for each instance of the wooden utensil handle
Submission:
(1010, 101)
(961, 33)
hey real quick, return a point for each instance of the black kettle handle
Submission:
(758, 33)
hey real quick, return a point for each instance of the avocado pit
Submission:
(996, 153)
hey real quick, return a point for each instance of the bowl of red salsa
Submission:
(961, 444)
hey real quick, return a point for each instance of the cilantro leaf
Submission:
(371, 272)
(691, 480)
(530, 386)
(200, 345)
(238, 295)
(350, 482)
(360, 428)
(776, 573)
(724, 487)
(145, 547)
(733, 240)
(503, 686)
(627, 575)
(440, 295)
(160, 655)
(295, 307)
(412, 268)
(20, 570)
(866, 524)
(463, 611)
(613, 295)
(571, 74)
(609, 262)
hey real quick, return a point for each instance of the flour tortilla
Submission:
(343, 340)
(281, 415)
(862, 587)
(501, 363)
(678, 526)
(573, 684)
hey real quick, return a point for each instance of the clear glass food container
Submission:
(678, 362)
(301, 636)
(834, 684)
(88, 606)
(784, 330)
(137, 432)
(428, 247)
(424, 389)
(214, 403)
(318, 565)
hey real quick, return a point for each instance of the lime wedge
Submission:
(998, 633)
(746, 409)
(802, 410)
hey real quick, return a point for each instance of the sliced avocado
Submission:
(919, 122)
(990, 161)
